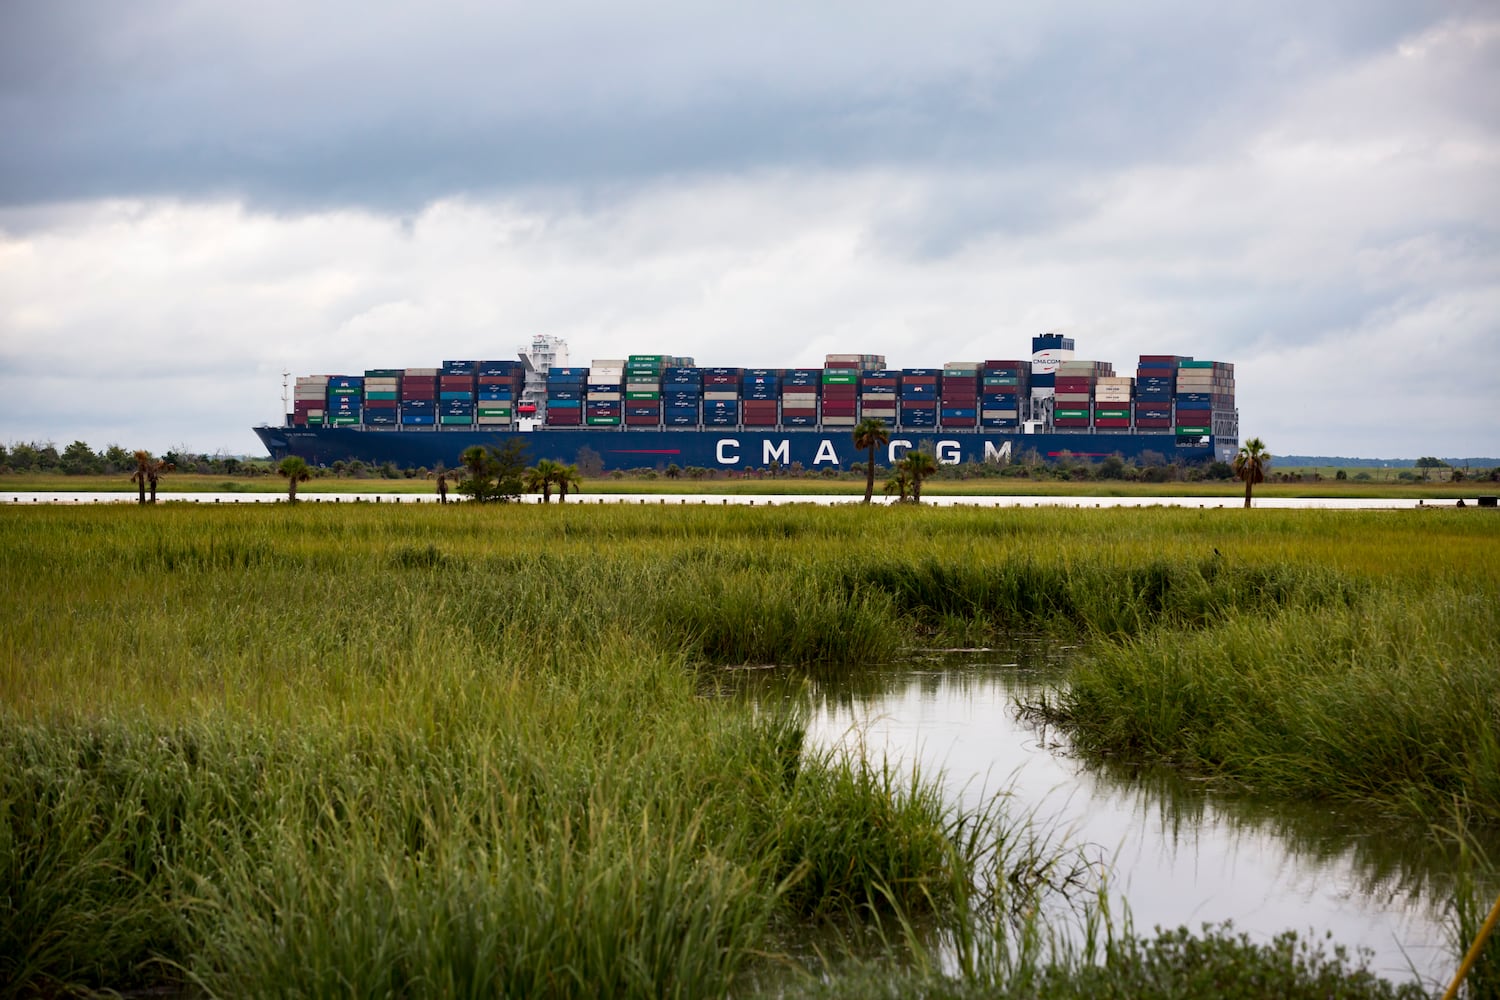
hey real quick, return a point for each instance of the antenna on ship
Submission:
(285, 374)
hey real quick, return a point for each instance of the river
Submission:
(769, 500)
(1177, 853)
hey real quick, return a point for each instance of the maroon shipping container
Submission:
(641, 421)
(1146, 423)
(752, 420)
(919, 380)
(382, 404)
(456, 383)
(1112, 422)
(418, 394)
(919, 404)
(1156, 373)
(1157, 360)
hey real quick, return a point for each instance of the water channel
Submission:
(1177, 854)
(770, 499)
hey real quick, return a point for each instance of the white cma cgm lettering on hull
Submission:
(946, 452)
(727, 452)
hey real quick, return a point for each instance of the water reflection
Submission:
(1181, 852)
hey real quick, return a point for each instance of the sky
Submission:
(197, 197)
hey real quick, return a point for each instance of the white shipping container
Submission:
(799, 398)
(422, 372)
(603, 397)
(718, 394)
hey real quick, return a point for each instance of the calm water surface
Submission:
(715, 499)
(1178, 855)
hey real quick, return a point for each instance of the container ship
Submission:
(658, 410)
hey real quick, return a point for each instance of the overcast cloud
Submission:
(197, 197)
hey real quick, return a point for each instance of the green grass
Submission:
(420, 750)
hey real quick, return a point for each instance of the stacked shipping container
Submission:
(1169, 392)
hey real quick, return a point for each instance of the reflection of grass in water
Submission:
(1390, 699)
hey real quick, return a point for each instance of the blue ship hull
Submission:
(729, 449)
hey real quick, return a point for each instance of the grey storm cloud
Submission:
(393, 105)
(196, 197)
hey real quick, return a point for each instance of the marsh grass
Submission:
(420, 750)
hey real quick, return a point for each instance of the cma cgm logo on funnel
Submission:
(1046, 362)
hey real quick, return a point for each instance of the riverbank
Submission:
(764, 484)
(356, 744)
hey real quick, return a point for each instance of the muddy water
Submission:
(1178, 854)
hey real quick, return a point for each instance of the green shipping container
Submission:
(1071, 414)
(645, 359)
(1192, 430)
(455, 420)
(1112, 414)
(1001, 380)
(1195, 364)
(383, 372)
(643, 395)
(380, 395)
(345, 392)
(603, 421)
(494, 411)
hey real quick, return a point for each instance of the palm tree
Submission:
(1250, 465)
(541, 477)
(142, 472)
(148, 473)
(869, 434)
(567, 479)
(158, 469)
(294, 468)
(899, 482)
(918, 465)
